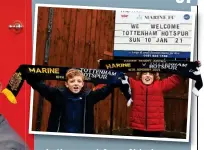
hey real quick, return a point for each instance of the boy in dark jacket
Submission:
(71, 106)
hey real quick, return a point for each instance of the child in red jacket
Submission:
(147, 111)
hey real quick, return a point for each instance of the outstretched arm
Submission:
(44, 90)
(171, 82)
(100, 92)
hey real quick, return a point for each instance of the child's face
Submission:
(147, 78)
(75, 84)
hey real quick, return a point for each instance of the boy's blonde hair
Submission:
(74, 72)
(139, 75)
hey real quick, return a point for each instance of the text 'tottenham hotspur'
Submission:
(97, 73)
(171, 66)
(155, 29)
(157, 33)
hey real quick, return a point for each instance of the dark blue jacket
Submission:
(71, 113)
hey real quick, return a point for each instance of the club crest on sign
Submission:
(186, 16)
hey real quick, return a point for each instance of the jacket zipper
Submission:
(84, 124)
(59, 123)
(73, 115)
(146, 105)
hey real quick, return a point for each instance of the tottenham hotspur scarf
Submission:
(96, 76)
(182, 68)
(109, 73)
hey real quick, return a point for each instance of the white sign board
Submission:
(164, 33)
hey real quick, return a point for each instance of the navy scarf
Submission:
(95, 76)
(183, 68)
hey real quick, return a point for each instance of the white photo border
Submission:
(194, 112)
(98, 135)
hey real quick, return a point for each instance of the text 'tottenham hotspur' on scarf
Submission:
(182, 68)
(96, 76)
